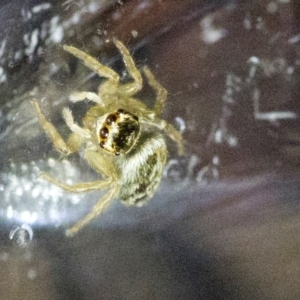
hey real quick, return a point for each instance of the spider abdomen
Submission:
(142, 169)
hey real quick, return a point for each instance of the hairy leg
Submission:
(160, 91)
(80, 96)
(130, 88)
(82, 187)
(169, 129)
(176, 136)
(68, 117)
(101, 205)
(100, 163)
(58, 142)
(93, 64)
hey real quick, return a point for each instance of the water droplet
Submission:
(174, 170)
(21, 235)
(181, 123)
(4, 256)
(208, 174)
(134, 33)
(31, 274)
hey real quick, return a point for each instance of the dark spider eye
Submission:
(120, 111)
(103, 132)
(111, 119)
(102, 144)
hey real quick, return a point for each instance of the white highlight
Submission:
(32, 44)
(271, 116)
(211, 34)
(38, 8)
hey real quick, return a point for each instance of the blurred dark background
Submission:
(225, 221)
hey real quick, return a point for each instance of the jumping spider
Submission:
(120, 136)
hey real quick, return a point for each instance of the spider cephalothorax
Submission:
(120, 137)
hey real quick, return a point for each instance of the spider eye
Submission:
(118, 132)
(104, 132)
(111, 119)
(120, 111)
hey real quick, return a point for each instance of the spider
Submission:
(120, 136)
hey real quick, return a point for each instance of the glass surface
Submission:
(224, 223)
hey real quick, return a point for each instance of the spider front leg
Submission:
(80, 96)
(161, 92)
(101, 205)
(161, 96)
(93, 64)
(175, 135)
(110, 86)
(132, 88)
(58, 142)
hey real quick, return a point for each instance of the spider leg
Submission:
(74, 142)
(80, 96)
(58, 142)
(101, 164)
(159, 107)
(130, 88)
(161, 92)
(68, 117)
(100, 206)
(169, 129)
(176, 136)
(77, 187)
(93, 64)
